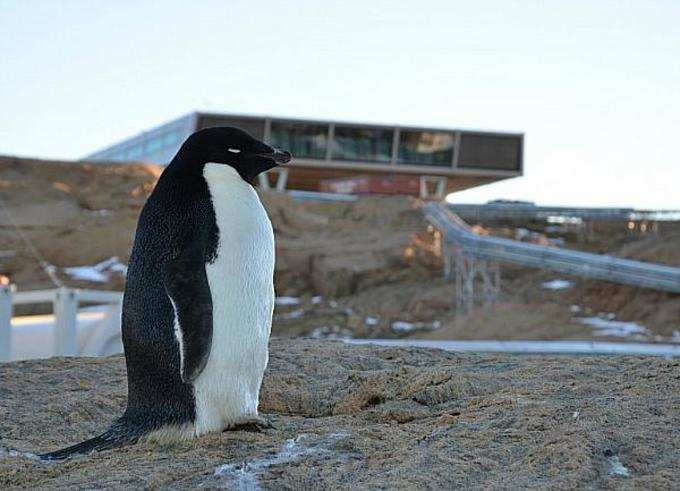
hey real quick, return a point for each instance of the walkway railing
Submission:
(601, 267)
(65, 302)
(527, 211)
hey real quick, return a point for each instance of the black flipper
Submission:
(187, 286)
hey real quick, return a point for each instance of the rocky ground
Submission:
(364, 269)
(360, 417)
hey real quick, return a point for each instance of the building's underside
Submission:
(323, 151)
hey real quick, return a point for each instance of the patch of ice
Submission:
(87, 273)
(331, 332)
(608, 327)
(556, 285)
(287, 301)
(403, 326)
(522, 233)
(245, 476)
(99, 273)
(295, 314)
(616, 468)
(556, 241)
(316, 300)
(8, 453)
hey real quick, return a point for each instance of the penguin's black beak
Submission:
(281, 156)
(278, 156)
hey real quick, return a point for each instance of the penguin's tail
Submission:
(116, 436)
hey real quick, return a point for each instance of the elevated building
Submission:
(327, 151)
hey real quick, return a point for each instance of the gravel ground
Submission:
(370, 418)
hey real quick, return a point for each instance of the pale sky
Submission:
(594, 85)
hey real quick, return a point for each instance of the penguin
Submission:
(199, 296)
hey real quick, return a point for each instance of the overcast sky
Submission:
(594, 85)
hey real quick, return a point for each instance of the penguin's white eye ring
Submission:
(233, 150)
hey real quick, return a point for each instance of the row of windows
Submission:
(415, 147)
(348, 143)
(154, 148)
(364, 144)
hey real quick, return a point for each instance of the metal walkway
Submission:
(462, 247)
(527, 211)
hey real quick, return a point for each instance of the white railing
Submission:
(596, 266)
(65, 303)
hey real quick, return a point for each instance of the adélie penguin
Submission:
(199, 295)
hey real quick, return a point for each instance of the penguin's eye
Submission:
(234, 150)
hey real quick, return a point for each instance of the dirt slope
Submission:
(373, 261)
(371, 418)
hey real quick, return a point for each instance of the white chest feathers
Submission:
(242, 289)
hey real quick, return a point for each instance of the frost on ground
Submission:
(604, 326)
(556, 285)
(616, 468)
(412, 419)
(244, 476)
(287, 301)
(99, 273)
(402, 326)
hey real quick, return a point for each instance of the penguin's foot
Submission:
(258, 424)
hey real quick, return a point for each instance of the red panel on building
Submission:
(391, 184)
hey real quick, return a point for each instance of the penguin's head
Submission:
(234, 147)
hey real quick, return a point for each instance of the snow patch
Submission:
(556, 285)
(604, 326)
(99, 273)
(403, 326)
(295, 314)
(287, 301)
(371, 321)
(8, 453)
(616, 468)
(245, 476)
(316, 300)
(331, 332)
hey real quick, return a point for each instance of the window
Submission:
(490, 152)
(362, 144)
(171, 138)
(134, 153)
(425, 148)
(154, 144)
(307, 141)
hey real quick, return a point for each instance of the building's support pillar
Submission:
(439, 183)
(280, 182)
(263, 180)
